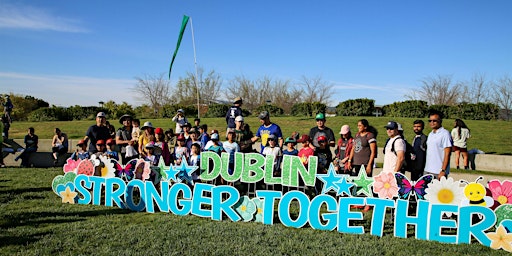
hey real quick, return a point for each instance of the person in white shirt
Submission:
(394, 151)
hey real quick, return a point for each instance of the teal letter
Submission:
(219, 206)
(97, 184)
(284, 209)
(128, 196)
(379, 214)
(345, 215)
(437, 223)
(268, 204)
(314, 213)
(112, 194)
(466, 229)
(420, 220)
(199, 200)
(84, 190)
(152, 196)
(185, 204)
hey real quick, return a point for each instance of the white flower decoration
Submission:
(445, 191)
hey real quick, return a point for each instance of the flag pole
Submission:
(195, 65)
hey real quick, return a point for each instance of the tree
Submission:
(209, 88)
(474, 90)
(437, 90)
(153, 91)
(316, 90)
(502, 95)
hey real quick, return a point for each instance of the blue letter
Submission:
(152, 195)
(199, 200)
(98, 183)
(83, 189)
(437, 223)
(128, 197)
(345, 215)
(420, 221)
(379, 214)
(466, 228)
(314, 212)
(112, 195)
(268, 204)
(185, 202)
(284, 209)
(219, 206)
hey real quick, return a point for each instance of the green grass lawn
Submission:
(33, 221)
(488, 136)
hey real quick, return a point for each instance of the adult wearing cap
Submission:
(180, 120)
(267, 128)
(97, 132)
(147, 136)
(243, 135)
(232, 113)
(344, 146)
(394, 151)
(321, 130)
(124, 137)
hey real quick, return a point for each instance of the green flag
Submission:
(183, 26)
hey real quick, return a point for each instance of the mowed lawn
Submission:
(33, 221)
(488, 136)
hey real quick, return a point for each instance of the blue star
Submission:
(344, 186)
(329, 180)
(171, 173)
(185, 171)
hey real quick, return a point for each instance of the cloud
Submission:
(69, 90)
(32, 18)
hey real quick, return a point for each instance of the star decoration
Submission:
(171, 173)
(364, 183)
(68, 196)
(185, 171)
(329, 180)
(162, 167)
(344, 186)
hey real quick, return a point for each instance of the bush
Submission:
(272, 109)
(49, 114)
(308, 109)
(169, 111)
(410, 108)
(217, 110)
(356, 107)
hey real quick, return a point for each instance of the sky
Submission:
(83, 52)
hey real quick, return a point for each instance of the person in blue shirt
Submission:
(267, 128)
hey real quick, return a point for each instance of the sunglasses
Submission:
(435, 121)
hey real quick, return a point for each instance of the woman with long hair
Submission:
(364, 149)
(460, 135)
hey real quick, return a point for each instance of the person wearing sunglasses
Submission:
(439, 147)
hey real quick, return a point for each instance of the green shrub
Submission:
(272, 109)
(308, 108)
(356, 107)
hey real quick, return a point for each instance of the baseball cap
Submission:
(237, 100)
(271, 137)
(110, 142)
(100, 142)
(321, 138)
(239, 119)
(180, 110)
(391, 125)
(80, 142)
(304, 138)
(215, 136)
(159, 131)
(180, 137)
(290, 140)
(101, 114)
(263, 115)
(345, 129)
(320, 116)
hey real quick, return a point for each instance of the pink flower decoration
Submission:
(71, 165)
(501, 192)
(385, 185)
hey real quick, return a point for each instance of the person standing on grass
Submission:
(419, 146)
(59, 145)
(266, 129)
(97, 132)
(147, 136)
(124, 137)
(321, 130)
(439, 147)
(344, 147)
(243, 135)
(232, 113)
(460, 135)
(180, 120)
(364, 150)
(394, 151)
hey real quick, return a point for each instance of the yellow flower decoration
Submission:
(501, 239)
(68, 196)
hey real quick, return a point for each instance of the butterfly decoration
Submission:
(408, 188)
(125, 172)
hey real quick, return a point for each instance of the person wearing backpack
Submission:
(394, 151)
(419, 144)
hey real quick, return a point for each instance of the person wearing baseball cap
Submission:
(233, 112)
(267, 128)
(394, 149)
(179, 119)
(321, 130)
(98, 131)
(343, 148)
(306, 151)
(81, 151)
(100, 148)
(124, 137)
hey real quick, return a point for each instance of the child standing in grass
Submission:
(195, 159)
(272, 149)
(180, 150)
